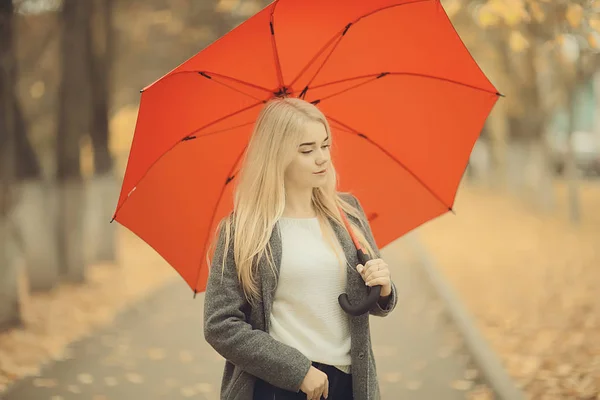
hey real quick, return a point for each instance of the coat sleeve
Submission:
(228, 332)
(377, 310)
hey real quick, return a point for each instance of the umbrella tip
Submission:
(346, 28)
(195, 293)
(500, 94)
(451, 210)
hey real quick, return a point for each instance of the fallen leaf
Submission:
(392, 377)
(185, 357)
(414, 385)
(110, 381)
(134, 378)
(74, 389)
(156, 354)
(471, 374)
(86, 379)
(187, 391)
(461, 384)
(204, 387)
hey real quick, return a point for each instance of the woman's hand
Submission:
(376, 272)
(315, 384)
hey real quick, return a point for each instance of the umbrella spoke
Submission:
(229, 86)
(339, 35)
(274, 44)
(350, 130)
(228, 129)
(303, 93)
(381, 75)
(184, 139)
(210, 75)
(216, 121)
(230, 177)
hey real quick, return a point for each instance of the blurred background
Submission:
(523, 250)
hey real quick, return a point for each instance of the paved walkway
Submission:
(157, 351)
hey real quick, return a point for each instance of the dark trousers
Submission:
(340, 387)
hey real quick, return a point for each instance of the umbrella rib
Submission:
(227, 129)
(184, 138)
(230, 176)
(249, 84)
(341, 34)
(211, 74)
(303, 93)
(204, 74)
(351, 130)
(381, 75)
(274, 44)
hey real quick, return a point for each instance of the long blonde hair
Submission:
(259, 195)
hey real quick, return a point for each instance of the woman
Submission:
(282, 258)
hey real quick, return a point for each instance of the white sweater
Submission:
(306, 314)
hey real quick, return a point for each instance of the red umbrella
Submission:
(399, 88)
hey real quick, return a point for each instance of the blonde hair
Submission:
(259, 196)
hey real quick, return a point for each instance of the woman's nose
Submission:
(322, 159)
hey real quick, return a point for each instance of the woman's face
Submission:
(311, 163)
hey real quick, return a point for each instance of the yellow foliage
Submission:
(594, 40)
(487, 17)
(511, 11)
(37, 89)
(86, 156)
(226, 6)
(595, 23)
(574, 15)
(518, 42)
(537, 12)
(497, 6)
(451, 7)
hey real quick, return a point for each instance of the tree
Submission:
(32, 218)
(9, 306)
(73, 122)
(529, 37)
(104, 190)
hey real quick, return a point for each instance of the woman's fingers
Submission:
(373, 269)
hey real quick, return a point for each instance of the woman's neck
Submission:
(298, 204)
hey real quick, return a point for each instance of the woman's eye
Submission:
(325, 146)
(306, 152)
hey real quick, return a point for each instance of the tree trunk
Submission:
(35, 222)
(33, 218)
(9, 295)
(73, 122)
(498, 129)
(571, 172)
(547, 197)
(103, 190)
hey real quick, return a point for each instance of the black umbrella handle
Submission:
(374, 292)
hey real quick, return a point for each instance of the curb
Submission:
(487, 360)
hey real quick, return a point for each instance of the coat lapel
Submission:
(268, 280)
(355, 288)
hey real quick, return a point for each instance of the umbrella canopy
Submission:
(405, 100)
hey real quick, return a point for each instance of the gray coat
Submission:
(239, 332)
